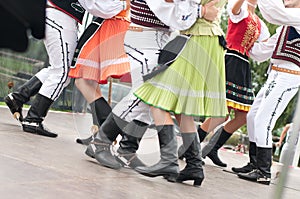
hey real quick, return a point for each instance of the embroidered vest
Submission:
(241, 36)
(142, 15)
(70, 7)
(288, 45)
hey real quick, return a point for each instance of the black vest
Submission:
(70, 7)
(288, 45)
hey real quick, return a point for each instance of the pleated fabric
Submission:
(194, 84)
(102, 54)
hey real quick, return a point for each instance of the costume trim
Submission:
(288, 46)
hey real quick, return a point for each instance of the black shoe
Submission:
(213, 155)
(37, 128)
(35, 116)
(169, 171)
(255, 176)
(245, 169)
(14, 108)
(193, 169)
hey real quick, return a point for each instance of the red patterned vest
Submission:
(288, 45)
(241, 36)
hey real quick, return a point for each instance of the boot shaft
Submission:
(39, 109)
(264, 161)
(216, 142)
(27, 90)
(133, 133)
(110, 129)
(168, 143)
(191, 142)
(252, 153)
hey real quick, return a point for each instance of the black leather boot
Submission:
(202, 134)
(129, 144)
(15, 100)
(100, 110)
(253, 162)
(262, 174)
(35, 116)
(102, 143)
(223, 136)
(193, 169)
(167, 165)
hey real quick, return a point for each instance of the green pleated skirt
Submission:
(194, 84)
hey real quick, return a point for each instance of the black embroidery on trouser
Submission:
(130, 108)
(143, 63)
(274, 112)
(65, 67)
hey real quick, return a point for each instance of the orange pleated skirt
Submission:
(103, 54)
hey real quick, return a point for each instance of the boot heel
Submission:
(198, 182)
(171, 178)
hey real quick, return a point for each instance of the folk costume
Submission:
(146, 36)
(100, 52)
(281, 86)
(60, 42)
(199, 89)
(243, 30)
(192, 85)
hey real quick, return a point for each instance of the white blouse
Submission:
(179, 15)
(103, 8)
(275, 12)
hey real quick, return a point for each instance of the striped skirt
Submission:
(194, 84)
(100, 51)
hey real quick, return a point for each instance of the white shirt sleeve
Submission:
(239, 17)
(102, 8)
(264, 33)
(179, 15)
(262, 51)
(275, 12)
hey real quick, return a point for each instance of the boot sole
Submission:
(264, 182)
(168, 176)
(36, 132)
(197, 182)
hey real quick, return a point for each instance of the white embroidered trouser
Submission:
(269, 104)
(60, 43)
(142, 48)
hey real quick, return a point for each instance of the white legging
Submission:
(269, 104)
(60, 43)
(143, 49)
